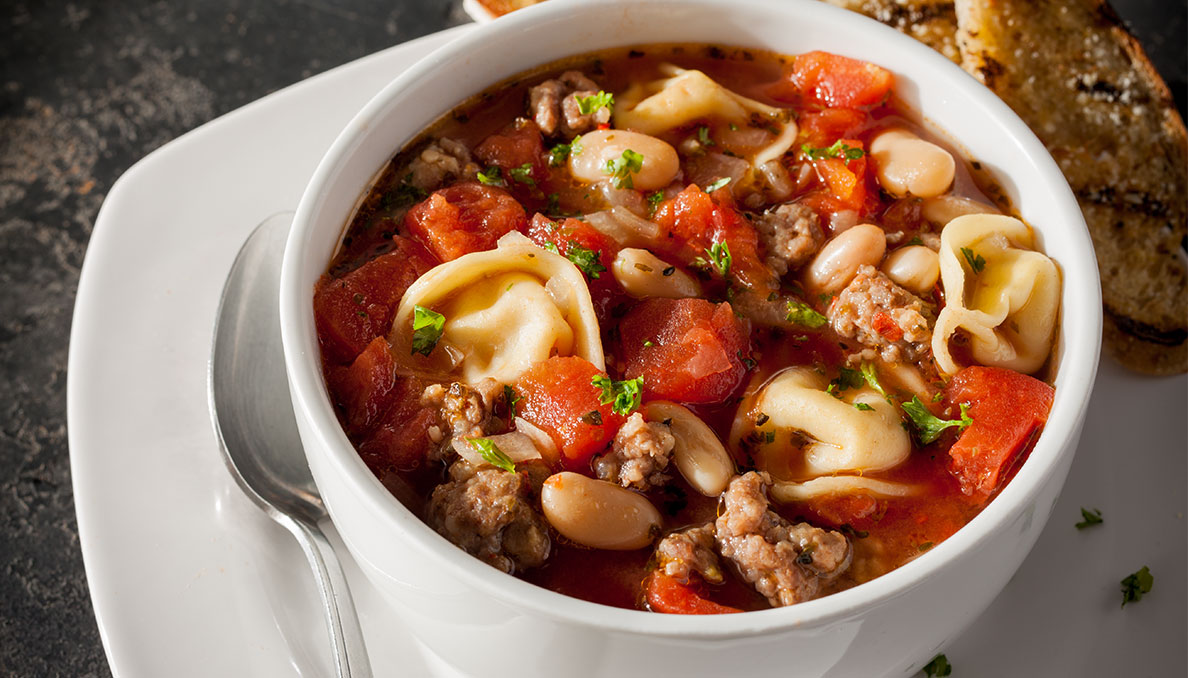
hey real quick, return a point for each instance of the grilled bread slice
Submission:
(1083, 84)
(932, 22)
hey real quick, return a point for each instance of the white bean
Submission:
(905, 164)
(839, 260)
(642, 275)
(942, 209)
(698, 454)
(598, 514)
(658, 168)
(914, 268)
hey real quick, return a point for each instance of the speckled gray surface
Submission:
(86, 89)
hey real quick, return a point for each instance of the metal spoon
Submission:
(254, 422)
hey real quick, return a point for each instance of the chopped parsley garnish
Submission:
(863, 407)
(928, 426)
(510, 397)
(871, 374)
(924, 547)
(839, 149)
(625, 395)
(491, 454)
(1136, 585)
(523, 174)
(554, 205)
(427, 327)
(590, 104)
(654, 200)
(915, 240)
(802, 314)
(551, 246)
(938, 396)
(593, 418)
(1089, 518)
(648, 343)
(719, 259)
(939, 667)
(720, 183)
(585, 259)
(976, 261)
(703, 136)
(492, 176)
(622, 168)
(846, 379)
(403, 195)
(560, 153)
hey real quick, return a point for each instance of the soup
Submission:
(689, 329)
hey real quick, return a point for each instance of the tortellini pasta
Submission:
(1004, 295)
(505, 310)
(856, 433)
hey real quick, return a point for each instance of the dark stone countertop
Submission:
(87, 89)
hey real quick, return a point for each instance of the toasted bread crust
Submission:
(932, 22)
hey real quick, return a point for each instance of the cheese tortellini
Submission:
(505, 310)
(856, 433)
(1004, 295)
(685, 96)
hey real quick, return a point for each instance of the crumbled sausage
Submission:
(638, 456)
(884, 316)
(463, 412)
(553, 105)
(786, 563)
(444, 159)
(791, 234)
(490, 514)
(682, 553)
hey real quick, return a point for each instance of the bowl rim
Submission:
(1081, 335)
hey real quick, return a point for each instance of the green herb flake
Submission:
(551, 246)
(733, 127)
(915, 241)
(427, 327)
(938, 667)
(624, 396)
(924, 547)
(560, 153)
(648, 343)
(976, 261)
(622, 168)
(1089, 518)
(703, 136)
(929, 427)
(768, 437)
(938, 396)
(554, 206)
(589, 261)
(654, 200)
(720, 183)
(491, 454)
(590, 104)
(492, 176)
(871, 374)
(802, 314)
(593, 418)
(1135, 586)
(847, 379)
(510, 397)
(403, 195)
(839, 149)
(863, 407)
(523, 174)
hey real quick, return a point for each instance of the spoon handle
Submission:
(346, 636)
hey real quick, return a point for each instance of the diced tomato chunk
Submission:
(559, 397)
(401, 439)
(364, 390)
(519, 147)
(691, 223)
(859, 511)
(667, 594)
(833, 80)
(464, 218)
(1008, 410)
(819, 129)
(352, 310)
(688, 350)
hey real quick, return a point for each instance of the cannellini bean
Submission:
(914, 268)
(838, 261)
(942, 209)
(659, 167)
(698, 454)
(905, 164)
(598, 514)
(642, 275)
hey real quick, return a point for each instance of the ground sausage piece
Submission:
(791, 234)
(444, 159)
(553, 105)
(638, 456)
(489, 513)
(884, 316)
(463, 412)
(682, 553)
(786, 563)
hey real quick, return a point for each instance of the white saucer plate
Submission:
(189, 578)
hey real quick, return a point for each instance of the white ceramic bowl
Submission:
(488, 623)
